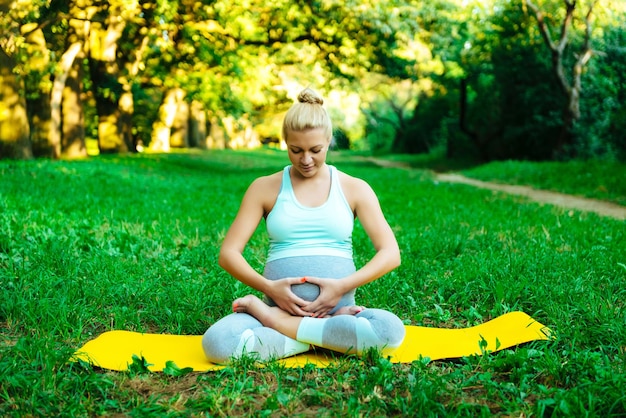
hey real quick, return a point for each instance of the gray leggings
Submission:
(240, 334)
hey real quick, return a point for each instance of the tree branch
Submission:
(543, 27)
(577, 69)
(556, 49)
(570, 6)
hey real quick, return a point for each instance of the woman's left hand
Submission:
(331, 291)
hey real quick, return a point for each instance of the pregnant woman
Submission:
(310, 278)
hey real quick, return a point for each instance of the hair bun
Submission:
(309, 96)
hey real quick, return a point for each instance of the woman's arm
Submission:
(254, 204)
(387, 257)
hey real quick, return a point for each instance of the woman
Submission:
(309, 279)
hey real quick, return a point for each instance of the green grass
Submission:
(595, 179)
(131, 243)
(602, 180)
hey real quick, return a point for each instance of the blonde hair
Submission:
(308, 113)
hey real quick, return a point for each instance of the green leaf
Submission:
(139, 365)
(173, 370)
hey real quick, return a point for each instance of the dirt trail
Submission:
(599, 207)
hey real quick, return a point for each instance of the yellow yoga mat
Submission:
(114, 350)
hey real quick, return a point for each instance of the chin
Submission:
(308, 173)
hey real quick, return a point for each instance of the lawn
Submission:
(602, 180)
(131, 242)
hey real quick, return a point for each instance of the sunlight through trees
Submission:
(488, 78)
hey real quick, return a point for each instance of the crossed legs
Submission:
(271, 332)
(275, 318)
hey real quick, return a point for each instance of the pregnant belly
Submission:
(306, 291)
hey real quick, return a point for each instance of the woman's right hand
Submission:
(282, 295)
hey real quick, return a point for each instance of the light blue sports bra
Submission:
(297, 230)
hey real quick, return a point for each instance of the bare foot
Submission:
(254, 306)
(269, 316)
(249, 304)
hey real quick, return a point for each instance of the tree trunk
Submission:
(557, 48)
(65, 65)
(179, 133)
(73, 139)
(39, 119)
(197, 125)
(216, 139)
(73, 111)
(38, 91)
(171, 129)
(108, 90)
(127, 101)
(14, 127)
(475, 139)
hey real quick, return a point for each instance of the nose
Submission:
(306, 158)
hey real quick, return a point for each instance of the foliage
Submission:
(407, 76)
(130, 242)
(509, 103)
(528, 118)
(604, 117)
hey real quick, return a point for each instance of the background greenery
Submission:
(471, 77)
(130, 242)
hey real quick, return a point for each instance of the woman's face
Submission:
(307, 151)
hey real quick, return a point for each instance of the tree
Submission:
(14, 128)
(515, 101)
(32, 27)
(36, 65)
(72, 136)
(528, 96)
(56, 98)
(106, 64)
(468, 75)
(571, 85)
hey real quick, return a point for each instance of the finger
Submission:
(316, 306)
(289, 300)
(321, 314)
(290, 309)
(296, 310)
(310, 307)
(299, 301)
(309, 279)
(316, 311)
(297, 280)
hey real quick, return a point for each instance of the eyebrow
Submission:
(295, 148)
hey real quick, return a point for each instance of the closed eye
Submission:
(314, 151)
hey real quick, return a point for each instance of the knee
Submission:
(227, 337)
(386, 325)
(216, 348)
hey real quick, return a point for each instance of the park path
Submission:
(600, 207)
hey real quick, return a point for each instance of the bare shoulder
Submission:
(265, 190)
(266, 183)
(351, 182)
(355, 189)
